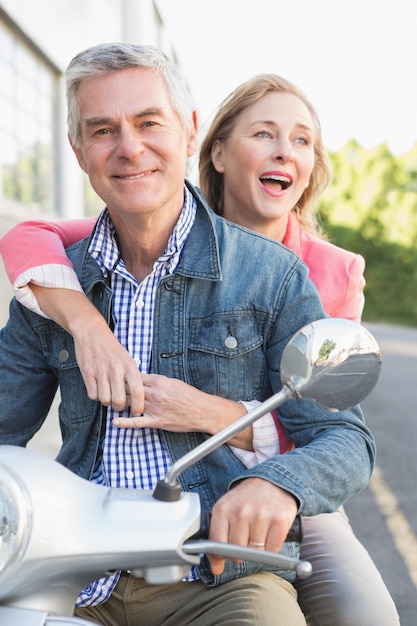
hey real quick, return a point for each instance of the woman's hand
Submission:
(110, 374)
(171, 404)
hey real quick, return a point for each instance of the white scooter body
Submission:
(87, 529)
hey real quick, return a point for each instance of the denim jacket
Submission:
(221, 322)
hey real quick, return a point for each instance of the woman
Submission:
(262, 165)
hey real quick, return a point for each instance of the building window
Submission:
(28, 92)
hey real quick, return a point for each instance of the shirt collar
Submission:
(104, 248)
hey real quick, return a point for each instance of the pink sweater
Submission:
(337, 273)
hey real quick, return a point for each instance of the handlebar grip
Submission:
(296, 531)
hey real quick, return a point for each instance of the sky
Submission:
(355, 60)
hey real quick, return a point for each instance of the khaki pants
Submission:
(262, 599)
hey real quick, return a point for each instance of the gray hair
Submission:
(112, 57)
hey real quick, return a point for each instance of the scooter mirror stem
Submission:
(169, 490)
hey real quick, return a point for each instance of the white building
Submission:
(39, 175)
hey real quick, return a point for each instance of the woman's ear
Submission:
(217, 156)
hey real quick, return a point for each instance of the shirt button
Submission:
(63, 355)
(129, 475)
(140, 304)
(230, 342)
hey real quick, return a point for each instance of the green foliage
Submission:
(325, 351)
(371, 208)
(28, 180)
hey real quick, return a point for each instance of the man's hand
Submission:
(255, 513)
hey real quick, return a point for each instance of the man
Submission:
(205, 308)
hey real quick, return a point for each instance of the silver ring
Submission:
(256, 544)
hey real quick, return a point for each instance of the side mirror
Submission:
(334, 361)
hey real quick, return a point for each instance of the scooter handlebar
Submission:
(199, 546)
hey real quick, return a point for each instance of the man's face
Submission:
(133, 147)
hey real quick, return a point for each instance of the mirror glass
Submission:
(333, 361)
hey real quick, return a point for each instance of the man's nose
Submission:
(130, 144)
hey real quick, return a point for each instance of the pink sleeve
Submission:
(269, 438)
(34, 243)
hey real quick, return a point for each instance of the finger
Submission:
(259, 533)
(107, 388)
(119, 398)
(276, 535)
(91, 387)
(258, 545)
(251, 528)
(136, 393)
(103, 392)
(267, 534)
(128, 422)
(218, 531)
(216, 564)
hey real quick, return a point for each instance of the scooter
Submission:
(59, 532)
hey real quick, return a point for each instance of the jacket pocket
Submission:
(58, 348)
(226, 355)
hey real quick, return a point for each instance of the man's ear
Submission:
(79, 154)
(192, 139)
(217, 156)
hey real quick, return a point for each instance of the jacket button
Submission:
(63, 355)
(230, 342)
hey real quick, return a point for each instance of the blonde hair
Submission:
(246, 94)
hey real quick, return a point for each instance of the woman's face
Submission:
(266, 162)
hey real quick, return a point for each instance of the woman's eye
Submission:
(263, 133)
(305, 141)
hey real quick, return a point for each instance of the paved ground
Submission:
(384, 515)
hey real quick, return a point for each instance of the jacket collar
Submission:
(199, 258)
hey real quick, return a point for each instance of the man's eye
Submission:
(98, 132)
